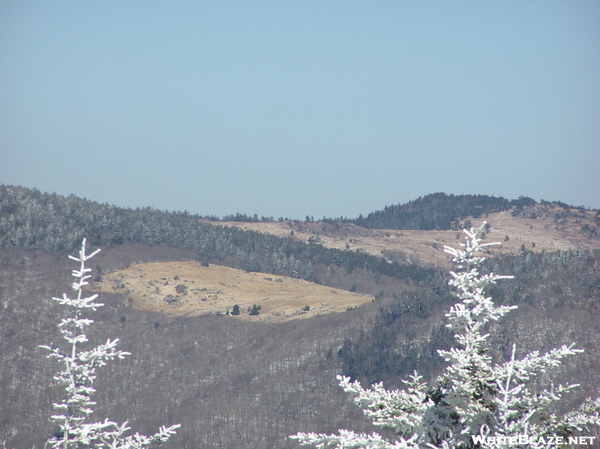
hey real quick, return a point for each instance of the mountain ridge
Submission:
(233, 382)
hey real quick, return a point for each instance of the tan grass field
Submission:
(216, 289)
(426, 247)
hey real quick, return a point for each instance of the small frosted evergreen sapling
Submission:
(474, 403)
(79, 372)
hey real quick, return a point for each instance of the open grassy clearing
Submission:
(188, 288)
(426, 247)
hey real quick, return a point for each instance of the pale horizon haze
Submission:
(288, 109)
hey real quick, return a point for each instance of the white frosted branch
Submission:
(78, 375)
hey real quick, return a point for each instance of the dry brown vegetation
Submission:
(188, 288)
(426, 247)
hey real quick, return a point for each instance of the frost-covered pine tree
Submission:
(78, 374)
(474, 403)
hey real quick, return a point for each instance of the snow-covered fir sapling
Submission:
(475, 403)
(78, 374)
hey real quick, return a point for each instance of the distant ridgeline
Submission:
(32, 220)
(437, 211)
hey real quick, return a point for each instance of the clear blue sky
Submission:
(322, 108)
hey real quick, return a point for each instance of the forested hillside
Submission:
(229, 383)
(441, 211)
(437, 211)
(33, 221)
(238, 384)
(558, 289)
